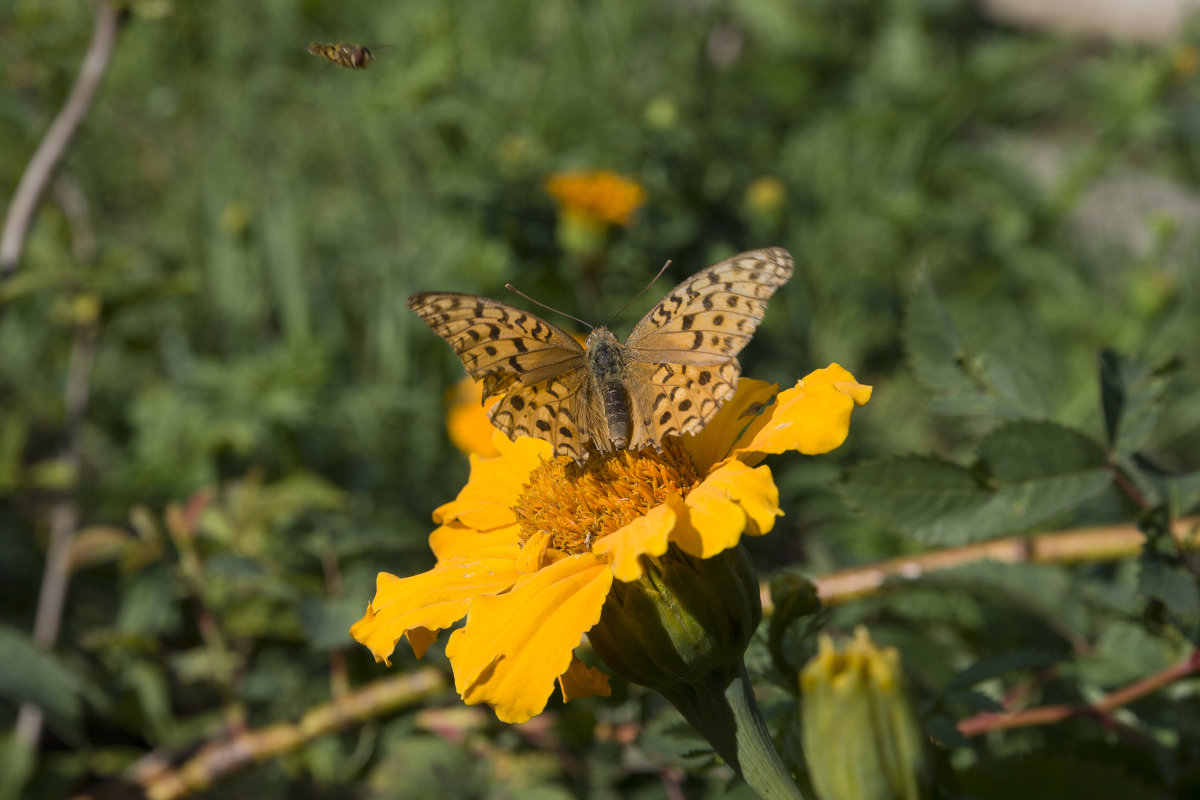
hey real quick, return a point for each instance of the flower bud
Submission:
(686, 621)
(861, 737)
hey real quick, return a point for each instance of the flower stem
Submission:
(726, 714)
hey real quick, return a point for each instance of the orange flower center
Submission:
(578, 504)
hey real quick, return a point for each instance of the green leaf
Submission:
(33, 675)
(1041, 470)
(1130, 396)
(974, 403)
(327, 622)
(934, 345)
(16, 766)
(1183, 492)
(975, 701)
(917, 494)
(1019, 451)
(1175, 587)
(1125, 651)
(944, 730)
(1016, 389)
(987, 668)
(1172, 585)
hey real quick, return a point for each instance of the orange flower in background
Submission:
(530, 549)
(467, 422)
(596, 197)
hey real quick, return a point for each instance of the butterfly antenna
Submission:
(512, 288)
(639, 294)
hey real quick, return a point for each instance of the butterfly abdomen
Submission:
(607, 363)
(616, 410)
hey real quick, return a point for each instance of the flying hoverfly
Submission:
(351, 56)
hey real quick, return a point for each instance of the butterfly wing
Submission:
(537, 367)
(684, 351)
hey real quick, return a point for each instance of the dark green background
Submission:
(260, 218)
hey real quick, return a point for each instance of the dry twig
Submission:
(58, 137)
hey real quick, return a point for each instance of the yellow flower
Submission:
(530, 548)
(766, 195)
(596, 197)
(1186, 61)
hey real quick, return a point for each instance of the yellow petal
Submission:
(533, 552)
(456, 540)
(514, 646)
(647, 535)
(432, 600)
(420, 639)
(812, 417)
(494, 484)
(713, 442)
(580, 680)
(735, 499)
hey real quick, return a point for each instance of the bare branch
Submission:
(64, 515)
(1101, 709)
(54, 144)
(155, 777)
(1104, 543)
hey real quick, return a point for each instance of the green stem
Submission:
(728, 717)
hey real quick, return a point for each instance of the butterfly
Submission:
(670, 377)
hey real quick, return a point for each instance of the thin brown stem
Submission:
(74, 205)
(1126, 486)
(58, 137)
(1102, 709)
(154, 776)
(1104, 543)
(339, 681)
(64, 517)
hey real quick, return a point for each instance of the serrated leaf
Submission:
(987, 668)
(1183, 492)
(1171, 584)
(938, 502)
(1017, 388)
(1130, 396)
(1124, 651)
(974, 700)
(944, 731)
(1025, 449)
(913, 492)
(934, 345)
(975, 403)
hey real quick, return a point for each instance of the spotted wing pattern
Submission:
(539, 369)
(678, 366)
(684, 351)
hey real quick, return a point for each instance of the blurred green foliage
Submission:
(994, 228)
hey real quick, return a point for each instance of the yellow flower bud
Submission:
(861, 737)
